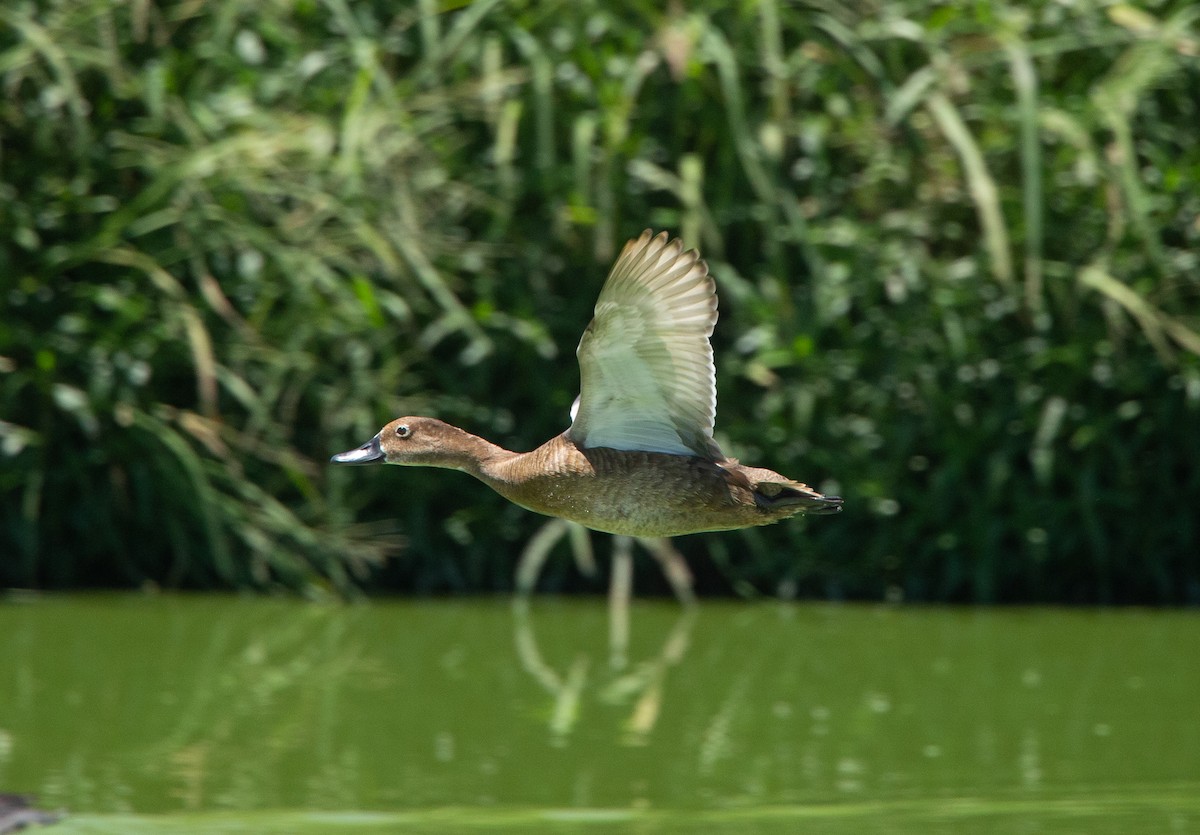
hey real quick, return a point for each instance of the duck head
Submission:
(414, 441)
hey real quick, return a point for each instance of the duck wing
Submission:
(648, 379)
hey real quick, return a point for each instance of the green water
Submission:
(210, 714)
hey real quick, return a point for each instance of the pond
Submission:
(216, 714)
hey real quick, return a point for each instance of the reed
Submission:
(956, 248)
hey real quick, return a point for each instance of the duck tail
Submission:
(777, 494)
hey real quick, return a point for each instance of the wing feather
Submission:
(648, 379)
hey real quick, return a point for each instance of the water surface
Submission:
(195, 714)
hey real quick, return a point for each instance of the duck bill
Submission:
(368, 453)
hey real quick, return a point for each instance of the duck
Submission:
(639, 458)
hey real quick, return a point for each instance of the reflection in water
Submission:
(565, 690)
(643, 685)
(620, 589)
(137, 704)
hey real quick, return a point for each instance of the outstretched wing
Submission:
(648, 379)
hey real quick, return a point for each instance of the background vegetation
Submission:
(956, 248)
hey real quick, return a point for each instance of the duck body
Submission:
(639, 458)
(646, 494)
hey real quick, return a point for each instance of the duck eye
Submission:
(402, 431)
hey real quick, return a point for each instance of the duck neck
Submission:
(475, 455)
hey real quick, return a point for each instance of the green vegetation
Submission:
(956, 247)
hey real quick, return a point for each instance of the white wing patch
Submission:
(648, 380)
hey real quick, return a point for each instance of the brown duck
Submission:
(639, 458)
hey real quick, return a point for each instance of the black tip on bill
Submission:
(368, 453)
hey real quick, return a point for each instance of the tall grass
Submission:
(955, 247)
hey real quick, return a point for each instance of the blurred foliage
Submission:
(956, 248)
